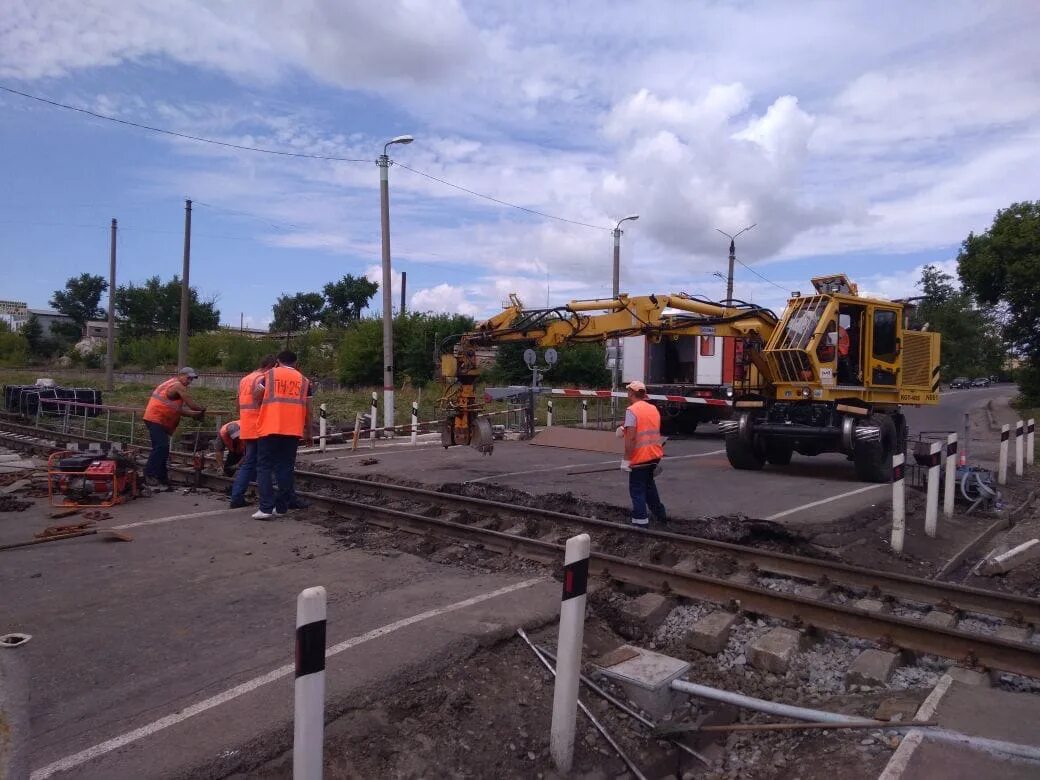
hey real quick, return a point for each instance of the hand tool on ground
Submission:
(106, 533)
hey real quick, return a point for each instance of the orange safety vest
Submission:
(161, 409)
(248, 408)
(283, 409)
(648, 433)
(826, 351)
(232, 444)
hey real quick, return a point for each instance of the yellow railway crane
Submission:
(832, 372)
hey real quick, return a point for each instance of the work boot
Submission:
(299, 503)
(151, 482)
(238, 504)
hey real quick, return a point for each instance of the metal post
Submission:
(615, 368)
(388, 315)
(898, 501)
(568, 657)
(729, 276)
(373, 414)
(415, 422)
(548, 413)
(951, 475)
(1019, 449)
(584, 413)
(404, 286)
(967, 437)
(309, 720)
(323, 414)
(1030, 440)
(110, 357)
(1005, 434)
(931, 511)
(182, 347)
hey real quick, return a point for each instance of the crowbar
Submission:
(115, 536)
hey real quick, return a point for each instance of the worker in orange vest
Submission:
(168, 403)
(248, 412)
(283, 394)
(229, 441)
(643, 453)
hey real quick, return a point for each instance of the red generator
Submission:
(89, 479)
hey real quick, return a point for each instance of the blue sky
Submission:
(861, 137)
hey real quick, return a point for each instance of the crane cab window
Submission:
(885, 337)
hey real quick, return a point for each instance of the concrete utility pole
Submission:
(615, 370)
(388, 303)
(182, 348)
(732, 258)
(110, 358)
(404, 287)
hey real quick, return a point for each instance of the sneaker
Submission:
(260, 514)
(641, 521)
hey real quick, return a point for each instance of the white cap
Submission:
(636, 386)
(189, 372)
(234, 430)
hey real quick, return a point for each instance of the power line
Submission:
(764, 279)
(500, 202)
(174, 133)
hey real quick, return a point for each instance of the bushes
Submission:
(14, 349)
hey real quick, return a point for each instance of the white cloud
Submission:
(446, 299)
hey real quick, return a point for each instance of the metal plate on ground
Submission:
(579, 439)
(646, 669)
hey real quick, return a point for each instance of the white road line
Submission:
(171, 518)
(823, 501)
(382, 450)
(70, 762)
(666, 461)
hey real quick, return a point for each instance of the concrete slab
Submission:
(872, 667)
(940, 619)
(1019, 634)
(646, 669)
(172, 655)
(773, 651)
(579, 439)
(943, 761)
(710, 634)
(648, 611)
(970, 676)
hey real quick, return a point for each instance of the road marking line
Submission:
(823, 501)
(70, 762)
(667, 459)
(380, 450)
(171, 518)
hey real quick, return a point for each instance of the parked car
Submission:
(982, 381)
(960, 383)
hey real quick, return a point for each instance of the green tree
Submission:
(416, 347)
(296, 313)
(81, 298)
(33, 332)
(1003, 265)
(346, 298)
(583, 365)
(361, 353)
(155, 308)
(14, 349)
(971, 341)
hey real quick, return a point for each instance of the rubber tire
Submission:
(778, 452)
(744, 455)
(873, 460)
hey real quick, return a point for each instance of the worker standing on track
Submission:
(283, 394)
(161, 417)
(643, 452)
(248, 412)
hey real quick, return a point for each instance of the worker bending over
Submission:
(248, 412)
(283, 394)
(228, 441)
(643, 452)
(168, 403)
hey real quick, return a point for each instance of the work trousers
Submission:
(276, 461)
(246, 473)
(160, 454)
(643, 490)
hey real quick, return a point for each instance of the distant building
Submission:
(253, 333)
(98, 329)
(47, 319)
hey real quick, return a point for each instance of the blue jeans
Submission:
(246, 473)
(156, 465)
(643, 490)
(276, 460)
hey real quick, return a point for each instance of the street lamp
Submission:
(616, 368)
(732, 257)
(388, 323)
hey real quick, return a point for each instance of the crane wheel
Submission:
(743, 454)
(778, 451)
(873, 459)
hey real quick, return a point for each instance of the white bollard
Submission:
(1005, 434)
(548, 414)
(584, 414)
(309, 720)
(374, 412)
(568, 658)
(415, 421)
(323, 425)
(931, 510)
(1019, 447)
(949, 493)
(898, 501)
(1030, 433)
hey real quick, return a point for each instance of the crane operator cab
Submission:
(840, 366)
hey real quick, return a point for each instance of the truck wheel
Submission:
(744, 454)
(778, 451)
(873, 459)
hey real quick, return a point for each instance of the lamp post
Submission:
(388, 320)
(732, 257)
(616, 368)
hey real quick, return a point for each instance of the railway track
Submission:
(538, 534)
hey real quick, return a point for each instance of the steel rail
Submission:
(947, 596)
